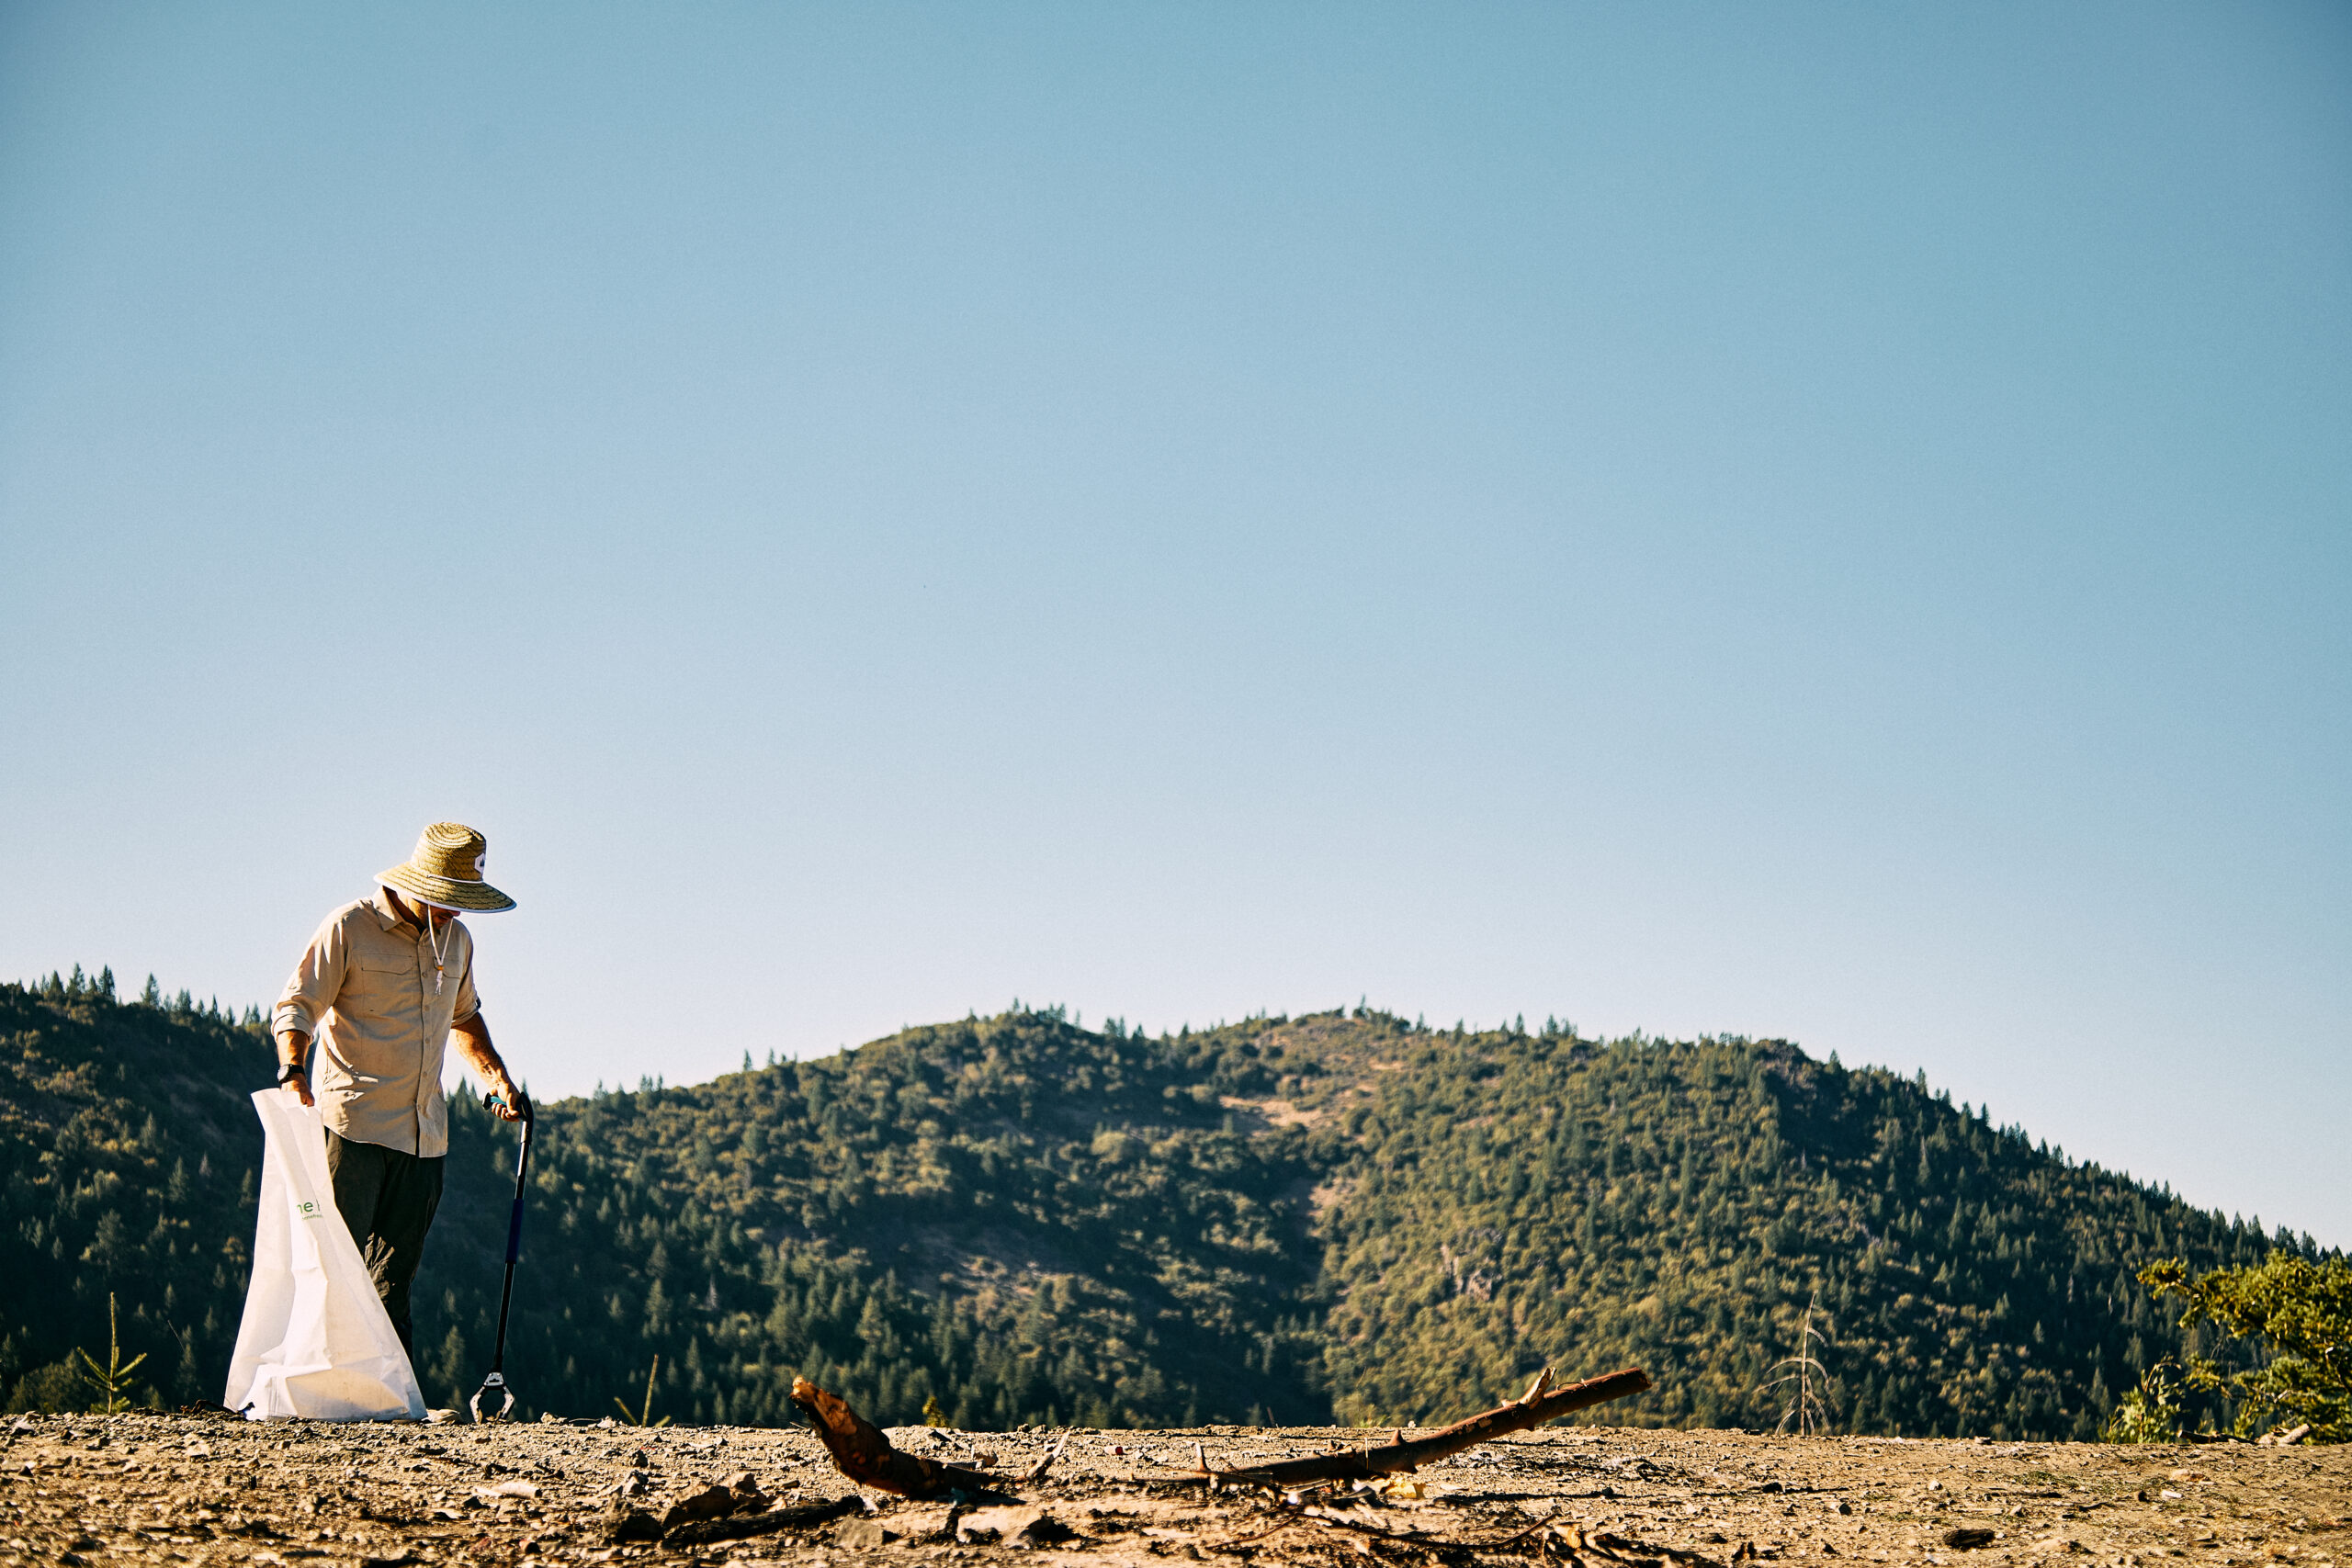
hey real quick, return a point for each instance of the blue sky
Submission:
(1828, 521)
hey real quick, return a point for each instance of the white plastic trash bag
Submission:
(316, 1340)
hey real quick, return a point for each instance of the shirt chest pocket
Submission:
(384, 983)
(382, 968)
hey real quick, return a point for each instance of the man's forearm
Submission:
(473, 1044)
(472, 1038)
(294, 1052)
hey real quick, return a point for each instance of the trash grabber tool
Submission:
(496, 1381)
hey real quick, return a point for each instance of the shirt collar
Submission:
(382, 904)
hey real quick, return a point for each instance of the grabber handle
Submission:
(522, 1172)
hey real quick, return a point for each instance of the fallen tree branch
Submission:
(1619, 1547)
(1364, 1526)
(860, 1452)
(1538, 1528)
(744, 1526)
(1036, 1472)
(1542, 1403)
(1295, 1521)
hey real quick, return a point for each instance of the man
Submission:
(382, 987)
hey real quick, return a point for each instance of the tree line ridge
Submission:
(1340, 1216)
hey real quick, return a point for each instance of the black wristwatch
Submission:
(293, 1072)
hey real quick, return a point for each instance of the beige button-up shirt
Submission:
(363, 993)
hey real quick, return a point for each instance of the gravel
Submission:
(86, 1490)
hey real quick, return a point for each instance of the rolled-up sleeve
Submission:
(317, 980)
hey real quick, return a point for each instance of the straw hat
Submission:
(445, 868)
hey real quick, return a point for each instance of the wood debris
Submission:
(1540, 1403)
(1036, 1472)
(861, 1451)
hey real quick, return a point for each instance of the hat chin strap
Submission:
(432, 937)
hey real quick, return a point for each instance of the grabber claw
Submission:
(494, 1384)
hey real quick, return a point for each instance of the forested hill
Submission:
(1021, 1220)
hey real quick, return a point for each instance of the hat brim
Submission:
(473, 898)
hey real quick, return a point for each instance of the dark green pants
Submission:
(387, 1199)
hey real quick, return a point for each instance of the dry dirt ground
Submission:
(82, 1490)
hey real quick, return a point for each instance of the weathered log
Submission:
(1542, 1403)
(744, 1526)
(860, 1452)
